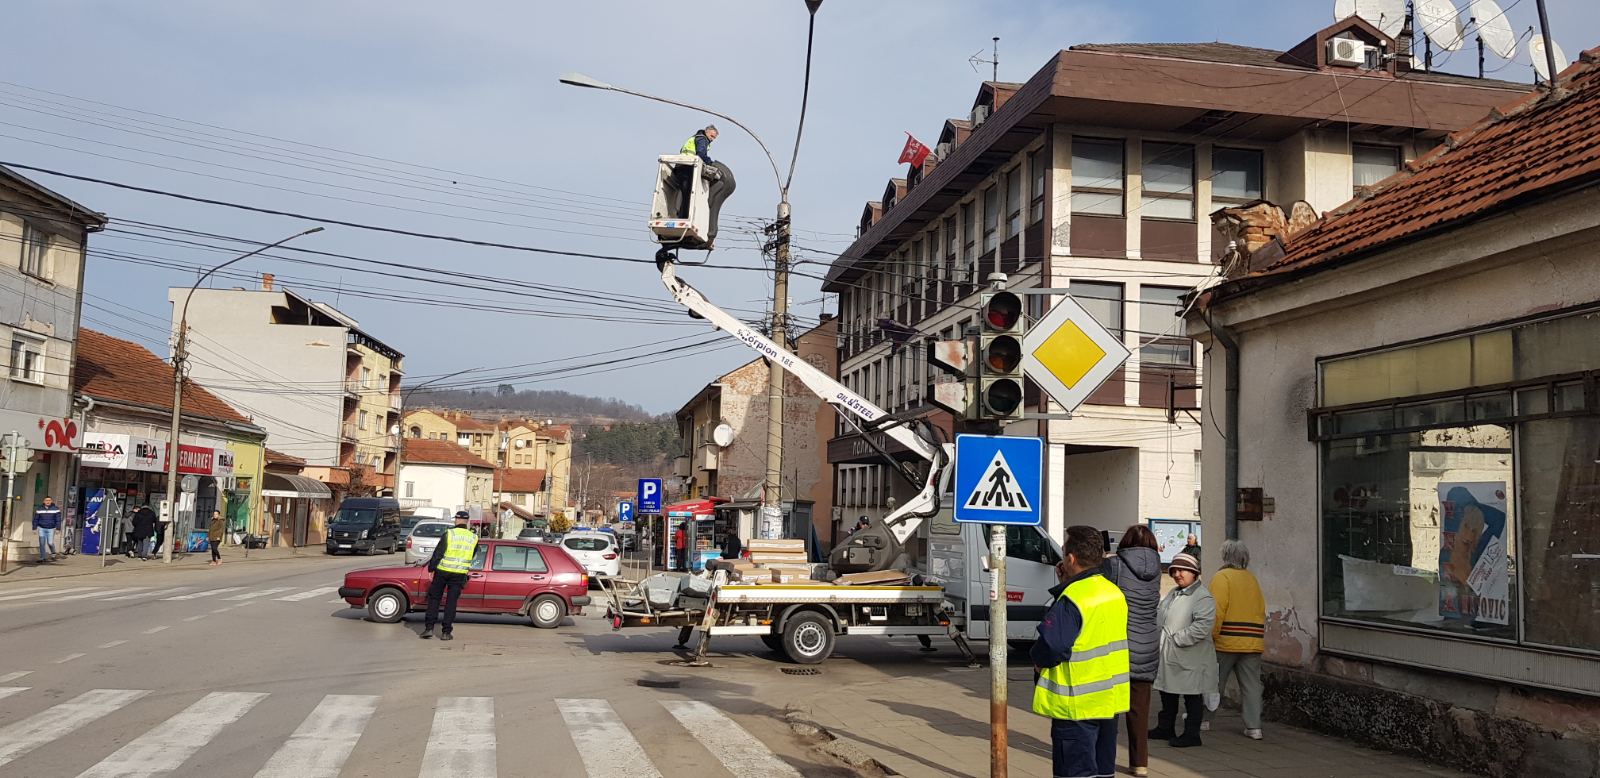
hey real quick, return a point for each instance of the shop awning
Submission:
(284, 485)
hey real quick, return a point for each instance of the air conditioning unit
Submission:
(1347, 52)
(942, 150)
(979, 113)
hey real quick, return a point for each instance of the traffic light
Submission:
(1001, 327)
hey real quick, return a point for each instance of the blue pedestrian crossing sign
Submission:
(624, 510)
(650, 495)
(998, 478)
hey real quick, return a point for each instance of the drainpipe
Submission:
(1230, 456)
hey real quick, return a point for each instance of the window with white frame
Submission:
(991, 219)
(1372, 163)
(1013, 202)
(27, 357)
(361, 420)
(1168, 176)
(1159, 307)
(1036, 171)
(35, 252)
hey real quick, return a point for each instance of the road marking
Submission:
(9, 677)
(223, 610)
(97, 594)
(166, 747)
(306, 595)
(115, 643)
(150, 595)
(68, 658)
(260, 593)
(338, 602)
(154, 630)
(60, 720)
(9, 592)
(461, 743)
(604, 742)
(7, 691)
(322, 743)
(195, 618)
(207, 593)
(45, 593)
(739, 751)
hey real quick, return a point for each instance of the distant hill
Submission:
(606, 432)
(539, 403)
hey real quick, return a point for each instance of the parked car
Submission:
(366, 525)
(531, 533)
(543, 583)
(596, 551)
(423, 538)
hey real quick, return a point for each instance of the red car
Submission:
(537, 580)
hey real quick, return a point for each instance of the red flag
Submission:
(914, 152)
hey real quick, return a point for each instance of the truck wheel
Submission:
(774, 642)
(808, 638)
(386, 606)
(547, 611)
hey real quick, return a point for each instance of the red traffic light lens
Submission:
(1003, 396)
(1003, 354)
(1002, 311)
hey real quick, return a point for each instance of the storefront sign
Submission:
(1474, 572)
(222, 463)
(44, 433)
(123, 452)
(195, 460)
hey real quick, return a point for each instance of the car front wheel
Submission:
(547, 611)
(386, 606)
(808, 638)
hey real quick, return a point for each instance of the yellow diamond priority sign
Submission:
(1069, 354)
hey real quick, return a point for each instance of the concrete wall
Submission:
(444, 486)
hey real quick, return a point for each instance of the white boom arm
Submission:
(831, 391)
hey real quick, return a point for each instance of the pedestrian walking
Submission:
(1081, 656)
(214, 537)
(46, 520)
(1240, 630)
(144, 526)
(1136, 570)
(1188, 670)
(451, 561)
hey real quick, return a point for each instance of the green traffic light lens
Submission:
(1003, 311)
(1002, 397)
(1003, 354)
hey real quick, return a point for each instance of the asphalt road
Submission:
(257, 669)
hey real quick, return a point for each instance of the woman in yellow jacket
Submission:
(1240, 630)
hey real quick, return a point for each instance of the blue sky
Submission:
(465, 131)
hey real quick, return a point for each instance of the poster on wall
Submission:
(1474, 562)
(1172, 535)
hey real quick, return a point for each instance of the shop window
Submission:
(1097, 176)
(1559, 492)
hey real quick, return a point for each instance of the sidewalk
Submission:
(945, 732)
(29, 569)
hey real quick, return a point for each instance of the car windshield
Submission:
(430, 530)
(360, 516)
(587, 543)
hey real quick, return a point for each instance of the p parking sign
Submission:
(649, 495)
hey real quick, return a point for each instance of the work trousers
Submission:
(1248, 668)
(47, 542)
(1194, 711)
(1083, 749)
(449, 586)
(1138, 723)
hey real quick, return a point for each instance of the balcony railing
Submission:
(351, 431)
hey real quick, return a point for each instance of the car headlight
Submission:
(363, 535)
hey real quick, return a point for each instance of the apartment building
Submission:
(326, 390)
(43, 237)
(513, 444)
(1096, 176)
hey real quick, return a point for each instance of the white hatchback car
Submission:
(596, 551)
(423, 538)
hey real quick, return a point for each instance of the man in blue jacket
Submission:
(1082, 659)
(45, 521)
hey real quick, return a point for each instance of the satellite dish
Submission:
(1343, 9)
(1536, 50)
(1386, 15)
(1493, 27)
(1441, 22)
(723, 435)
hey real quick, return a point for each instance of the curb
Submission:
(830, 744)
(112, 570)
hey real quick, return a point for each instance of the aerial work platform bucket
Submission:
(689, 195)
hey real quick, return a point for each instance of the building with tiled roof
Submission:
(446, 475)
(1402, 397)
(459, 426)
(115, 370)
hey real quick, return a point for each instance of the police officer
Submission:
(1082, 660)
(699, 145)
(452, 559)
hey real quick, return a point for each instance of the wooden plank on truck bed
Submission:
(880, 578)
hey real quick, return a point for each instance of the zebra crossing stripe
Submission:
(206, 593)
(150, 595)
(46, 593)
(166, 747)
(605, 744)
(9, 677)
(739, 752)
(306, 595)
(459, 745)
(322, 743)
(7, 691)
(61, 720)
(96, 594)
(259, 593)
(10, 592)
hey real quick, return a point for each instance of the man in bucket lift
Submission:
(699, 145)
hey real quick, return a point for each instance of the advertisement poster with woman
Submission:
(1474, 560)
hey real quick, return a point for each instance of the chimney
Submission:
(266, 282)
(1259, 231)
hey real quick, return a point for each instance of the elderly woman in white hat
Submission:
(1188, 657)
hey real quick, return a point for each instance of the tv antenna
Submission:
(993, 61)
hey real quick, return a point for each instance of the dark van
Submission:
(366, 525)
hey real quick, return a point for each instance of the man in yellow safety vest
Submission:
(451, 561)
(699, 145)
(1082, 660)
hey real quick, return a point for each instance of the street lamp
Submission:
(772, 490)
(179, 356)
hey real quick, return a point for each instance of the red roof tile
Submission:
(117, 370)
(422, 451)
(521, 481)
(465, 422)
(1527, 149)
(280, 458)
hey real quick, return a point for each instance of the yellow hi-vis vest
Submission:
(460, 545)
(1093, 682)
(688, 146)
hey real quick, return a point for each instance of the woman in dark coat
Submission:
(1136, 570)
